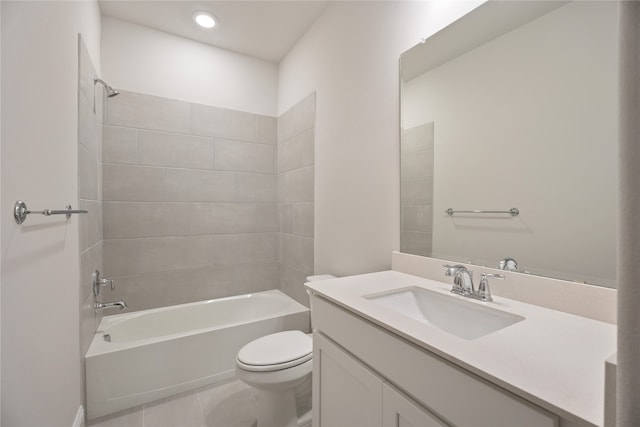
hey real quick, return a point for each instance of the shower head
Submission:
(111, 92)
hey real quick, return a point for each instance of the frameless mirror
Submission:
(514, 106)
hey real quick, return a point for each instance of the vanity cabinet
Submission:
(360, 367)
(400, 411)
(347, 393)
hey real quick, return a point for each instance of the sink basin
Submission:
(454, 315)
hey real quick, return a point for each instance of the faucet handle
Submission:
(483, 288)
(99, 282)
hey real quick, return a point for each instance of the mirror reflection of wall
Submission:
(526, 120)
(416, 181)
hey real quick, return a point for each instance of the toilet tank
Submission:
(315, 279)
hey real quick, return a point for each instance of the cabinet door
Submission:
(345, 392)
(400, 411)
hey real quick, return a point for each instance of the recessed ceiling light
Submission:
(204, 19)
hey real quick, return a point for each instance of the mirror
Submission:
(515, 106)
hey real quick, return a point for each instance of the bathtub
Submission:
(160, 352)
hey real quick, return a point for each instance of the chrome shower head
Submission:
(111, 92)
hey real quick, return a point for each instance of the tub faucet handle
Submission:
(99, 282)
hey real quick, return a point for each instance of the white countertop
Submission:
(553, 359)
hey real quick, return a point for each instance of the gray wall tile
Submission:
(416, 187)
(297, 252)
(286, 217)
(192, 212)
(124, 182)
(245, 248)
(307, 140)
(120, 145)
(412, 242)
(293, 281)
(244, 157)
(250, 187)
(151, 290)
(290, 155)
(303, 219)
(120, 257)
(124, 220)
(95, 222)
(88, 175)
(223, 123)
(417, 192)
(295, 168)
(141, 111)
(173, 253)
(417, 218)
(417, 138)
(176, 150)
(304, 114)
(88, 126)
(286, 128)
(417, 164)
(186, 185)
(90, 260)
(298, 185)
(267, 129)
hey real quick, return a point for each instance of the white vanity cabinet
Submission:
(347, 393)
(360, 367)
(400, 411)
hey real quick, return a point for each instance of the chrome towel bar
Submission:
(512, 212)
(20, 211)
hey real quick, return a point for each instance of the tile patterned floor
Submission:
(227, 405)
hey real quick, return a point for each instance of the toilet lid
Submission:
(276, 351)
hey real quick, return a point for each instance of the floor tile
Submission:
(130, 418)
(182, 411)
(228, 405)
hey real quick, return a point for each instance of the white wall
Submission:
(40, 271)
(350, 57)
(529, 122)
(144, 60)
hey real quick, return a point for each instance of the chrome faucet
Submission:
(463, 282)
(462, 279)
(508, 264)
(102, 305)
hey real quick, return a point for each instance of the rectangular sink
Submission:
(451, 314)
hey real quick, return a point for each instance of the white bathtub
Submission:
(160, 352)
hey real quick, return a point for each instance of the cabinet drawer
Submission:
(453, 394)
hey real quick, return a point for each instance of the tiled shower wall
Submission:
(89, 194)
(296, 129)
(190, 201)
(416, 181)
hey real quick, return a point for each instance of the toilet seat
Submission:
(275, 352)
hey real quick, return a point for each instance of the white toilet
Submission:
(274, 366)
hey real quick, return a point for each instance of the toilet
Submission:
(275, 367)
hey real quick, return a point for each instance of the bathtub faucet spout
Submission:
(102, 305)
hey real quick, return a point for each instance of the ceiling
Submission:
(262, 29)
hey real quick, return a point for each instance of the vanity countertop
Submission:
(553, 359)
